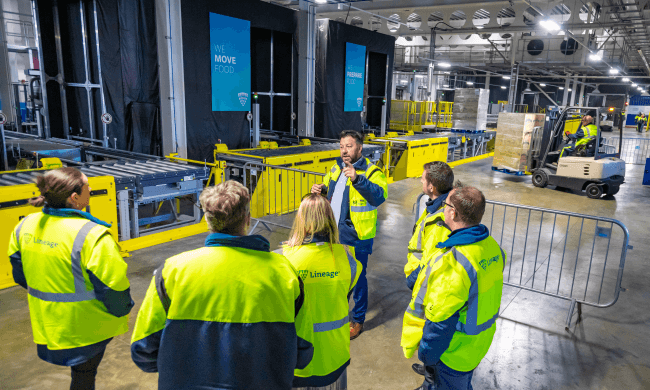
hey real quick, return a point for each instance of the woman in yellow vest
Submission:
(78, 293)
(329, 272)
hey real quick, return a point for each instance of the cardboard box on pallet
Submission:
(513, 139)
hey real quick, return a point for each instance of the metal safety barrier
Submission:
(571, 256)
(633, 150)
(276, 190)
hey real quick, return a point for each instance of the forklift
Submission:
(588, 169)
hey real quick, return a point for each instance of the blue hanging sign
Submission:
(230, 51)
(355, 70)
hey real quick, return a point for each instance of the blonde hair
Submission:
(226, 206)
(56, 186)
(315, 216)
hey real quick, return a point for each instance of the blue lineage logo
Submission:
(243, 96)
(486, 262)
(303, 273)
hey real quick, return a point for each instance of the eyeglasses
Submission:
(447, 204)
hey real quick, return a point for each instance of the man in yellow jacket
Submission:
(223, 316)
(356, 188)
(457, 295)
(437, 180)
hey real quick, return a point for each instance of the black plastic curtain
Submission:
(205, 127)
(330, 119)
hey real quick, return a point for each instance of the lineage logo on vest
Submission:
(28, 238)
(330, 275)
(486, 262)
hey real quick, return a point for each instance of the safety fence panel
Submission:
(633, 150)
(409, 115)
(576, 257)
(277, 190)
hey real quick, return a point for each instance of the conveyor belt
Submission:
(36, 145)
(266, 153)
(45, 149)
(128, 175)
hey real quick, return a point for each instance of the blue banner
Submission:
(230, 51)
(355, 71)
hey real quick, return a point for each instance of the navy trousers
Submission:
(360, 291)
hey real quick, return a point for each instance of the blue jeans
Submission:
(360, 291)
(441, 377)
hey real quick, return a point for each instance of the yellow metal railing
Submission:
(411, 116)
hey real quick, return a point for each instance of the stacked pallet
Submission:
(470, 108)
(514, 133)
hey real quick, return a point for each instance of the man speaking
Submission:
(355, 187)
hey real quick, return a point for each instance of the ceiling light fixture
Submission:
(542, 84)
(561, 88)
(625, 79)
(506, 77)
(570, 90)
(633, 84)
(550, 25)
(613, 71)
(444, 64)
(470, 82)
(502, 87)
(595, 57)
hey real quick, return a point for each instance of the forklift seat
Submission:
(588, 149)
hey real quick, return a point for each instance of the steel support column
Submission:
(6, 93)
(306, 71)
(581, 97)
(172, 83)
(565, 97)
(574, 91)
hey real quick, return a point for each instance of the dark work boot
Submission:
(418, 368)
(430, 376)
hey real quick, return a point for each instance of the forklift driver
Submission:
(583, 135)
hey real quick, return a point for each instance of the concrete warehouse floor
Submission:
(608, 349)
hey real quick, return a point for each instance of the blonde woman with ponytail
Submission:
(70, 265)
(329, 272)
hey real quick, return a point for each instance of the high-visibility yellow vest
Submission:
(329, 274)
(478, 268)
(589, 131)
(56, 253)
(429, 230)
(362, 214)
(640, 121)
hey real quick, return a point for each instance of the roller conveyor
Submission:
(139, 180)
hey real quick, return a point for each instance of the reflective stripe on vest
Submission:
(418, 304)
(470, 327)
(353, 268)
(361, 209)
(20, 226)
(80, 293)
(331, 325)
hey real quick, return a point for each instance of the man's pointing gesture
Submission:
(349, 171)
